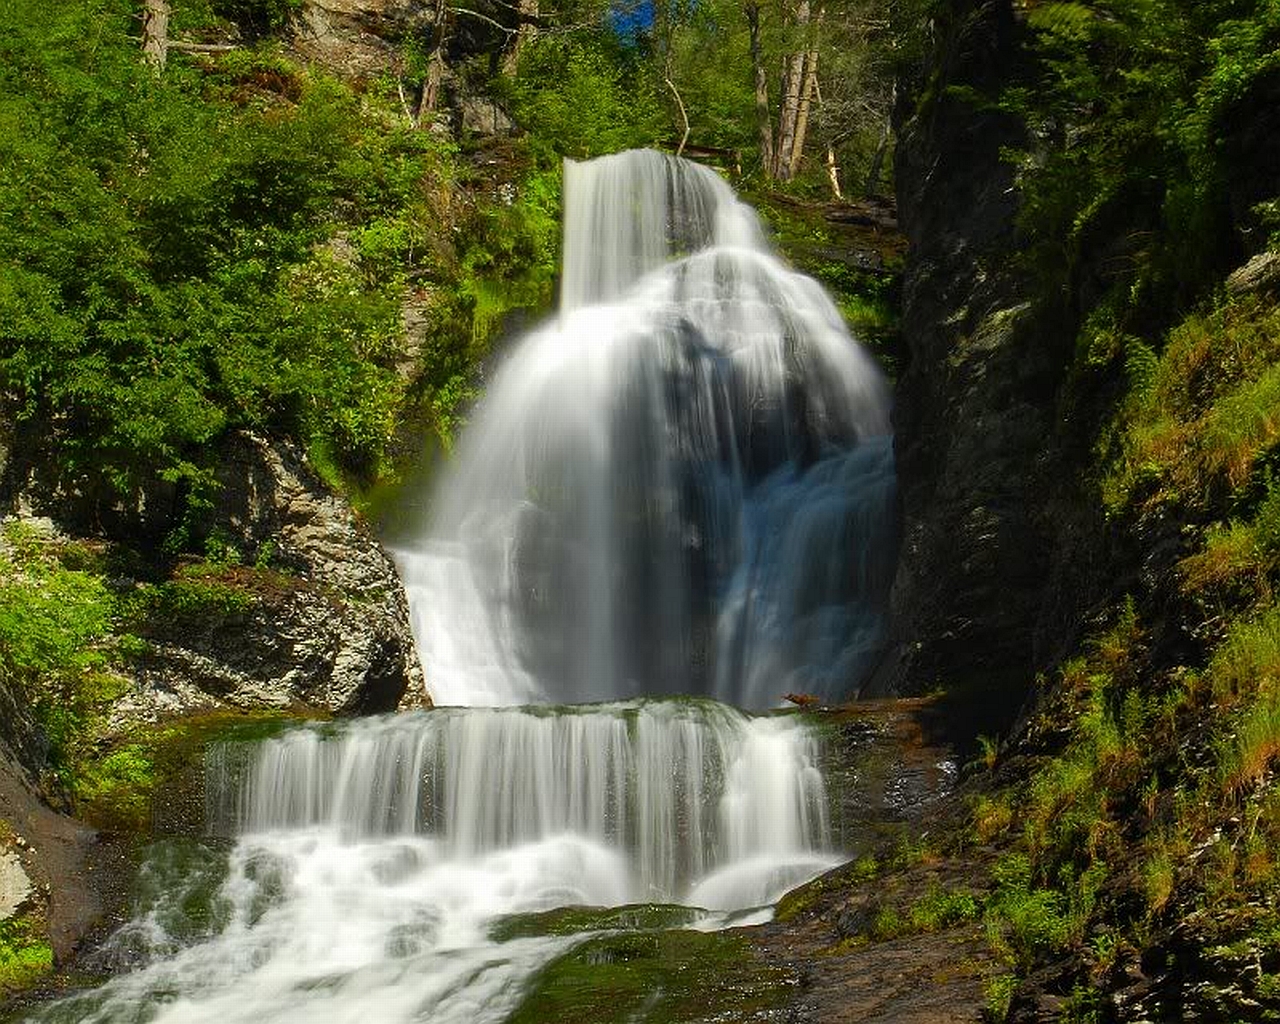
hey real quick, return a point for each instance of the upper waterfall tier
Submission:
(628, 214)
(682, 484)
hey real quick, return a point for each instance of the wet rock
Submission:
(997, 549)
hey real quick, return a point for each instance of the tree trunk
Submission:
(877, 161)
(431, 85)
(525, 32)
(763, 121)
(155, 32)
(793, 84)
(807, 91)
(833, 173)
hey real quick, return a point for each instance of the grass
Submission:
(1247, 662)
(1208, 415)
(1247, 755)
(999, 994)
(941, 908)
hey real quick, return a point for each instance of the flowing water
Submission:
(682, 485)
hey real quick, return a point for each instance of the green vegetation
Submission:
(57, 639)
(574, 920)
(65, 638)
(654, 977)
(200, 251)
(1142, 795)
(25, 955)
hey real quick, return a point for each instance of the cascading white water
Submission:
(375, 861)
(674, 790)
(683, 484)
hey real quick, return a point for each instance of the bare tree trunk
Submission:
(793, 83)
(763, 121)
(525, 33)
(155, 32)
(431, 85)
(788, 108)
(833, 173)
(807, 91)
(684, 114)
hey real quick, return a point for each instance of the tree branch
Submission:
(684, 115)
(483, 17)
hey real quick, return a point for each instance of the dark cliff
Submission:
(979, 603)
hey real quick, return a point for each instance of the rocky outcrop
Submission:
(1260, 274)
(975, 408)
(318, 621)
(359, 39)
(304, 610)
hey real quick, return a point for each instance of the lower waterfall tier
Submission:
(695, 801)
(412, 868)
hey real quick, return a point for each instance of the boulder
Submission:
(318, 622)
(1260, 274)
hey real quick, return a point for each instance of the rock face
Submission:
(15, 886)
(309, 615)
(358, 38)
(975, 403)
(319, 622)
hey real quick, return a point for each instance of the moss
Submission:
(799, 900)
(653, 978)
(25, 953)
(116, 787)
(575, 920)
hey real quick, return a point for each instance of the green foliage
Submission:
(1023, 920)
(944, 908)
(52, 619)
(118, 787)
(25, 954)
(999, 995)
(1132, 110)
(199, 592)
(584, 96)
(194, 252)
(56, 639)
(1203, 419)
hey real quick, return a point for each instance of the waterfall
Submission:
(674, 790)
(683, 484)
(678, 493)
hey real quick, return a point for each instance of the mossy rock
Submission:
(117, 788)
(575, 920)
(655, 978)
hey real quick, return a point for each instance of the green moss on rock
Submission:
(654, 978)
(576, 920)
